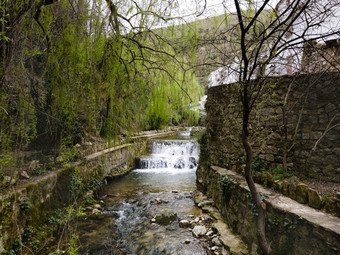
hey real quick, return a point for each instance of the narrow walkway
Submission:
(279, 201)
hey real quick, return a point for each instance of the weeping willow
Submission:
(71, 76)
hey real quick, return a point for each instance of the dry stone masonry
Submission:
(296, 118)
(296, 115)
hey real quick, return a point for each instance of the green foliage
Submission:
(252, 204)
(278, 173)
(87, 81)
(35, 246)
(227, 182)
(76, 185)
(25, 205)
(57, 252)
(73, 247)
(27, 235)
(39, 170)
(259, 165)
(326, 197)
(65, 216)
(93, 183)
(16, 247)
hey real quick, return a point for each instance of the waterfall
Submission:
(185, 133)
(173, 156)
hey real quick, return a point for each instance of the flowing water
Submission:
(163, 184)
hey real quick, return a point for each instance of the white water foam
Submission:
(171, 156)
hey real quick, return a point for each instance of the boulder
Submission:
(294, 181)
(314, 200)
(285, 187)
(302, 193)
(7, 181)
(165, 217)
(199, 231)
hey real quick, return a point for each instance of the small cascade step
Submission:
(172, 154)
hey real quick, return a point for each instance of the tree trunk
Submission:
(261, 206)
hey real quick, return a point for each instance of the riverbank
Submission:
(27, 205)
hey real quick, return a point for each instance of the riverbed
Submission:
(132, 204)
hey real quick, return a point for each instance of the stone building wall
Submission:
(321, 57)
(295, 115)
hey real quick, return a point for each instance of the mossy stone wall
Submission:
(33, 203)
(291, 228)
(308, 104)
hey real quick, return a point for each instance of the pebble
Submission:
(187, 241)
(184, 223)
(209, 233)
(25, 175)
(205, 203)
(216, 241)
(97, 206)
(199, 231)
(96, 211)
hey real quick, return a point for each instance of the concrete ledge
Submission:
(278, 201)
(292, 228)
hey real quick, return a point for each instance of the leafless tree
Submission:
(268, 40)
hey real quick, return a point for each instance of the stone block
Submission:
(257, 177)
(165, 217)
(285, 187)
(302, 193)
(314, 200)
(268, 180)
(293, 181)
(330, 205)
(277, 185)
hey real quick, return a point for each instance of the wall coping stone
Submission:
(154, 135)
(97, 154)
(277, 200)
(20, 188)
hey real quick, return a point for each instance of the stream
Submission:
(134, 204)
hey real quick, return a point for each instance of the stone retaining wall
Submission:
(296, 115)
(53, 191)
(291, 228)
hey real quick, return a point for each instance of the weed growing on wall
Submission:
(259, 164)
(25, 205)
(227, 183)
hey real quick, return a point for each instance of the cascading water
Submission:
(185, 133)
(172, 156)
(164, 182)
